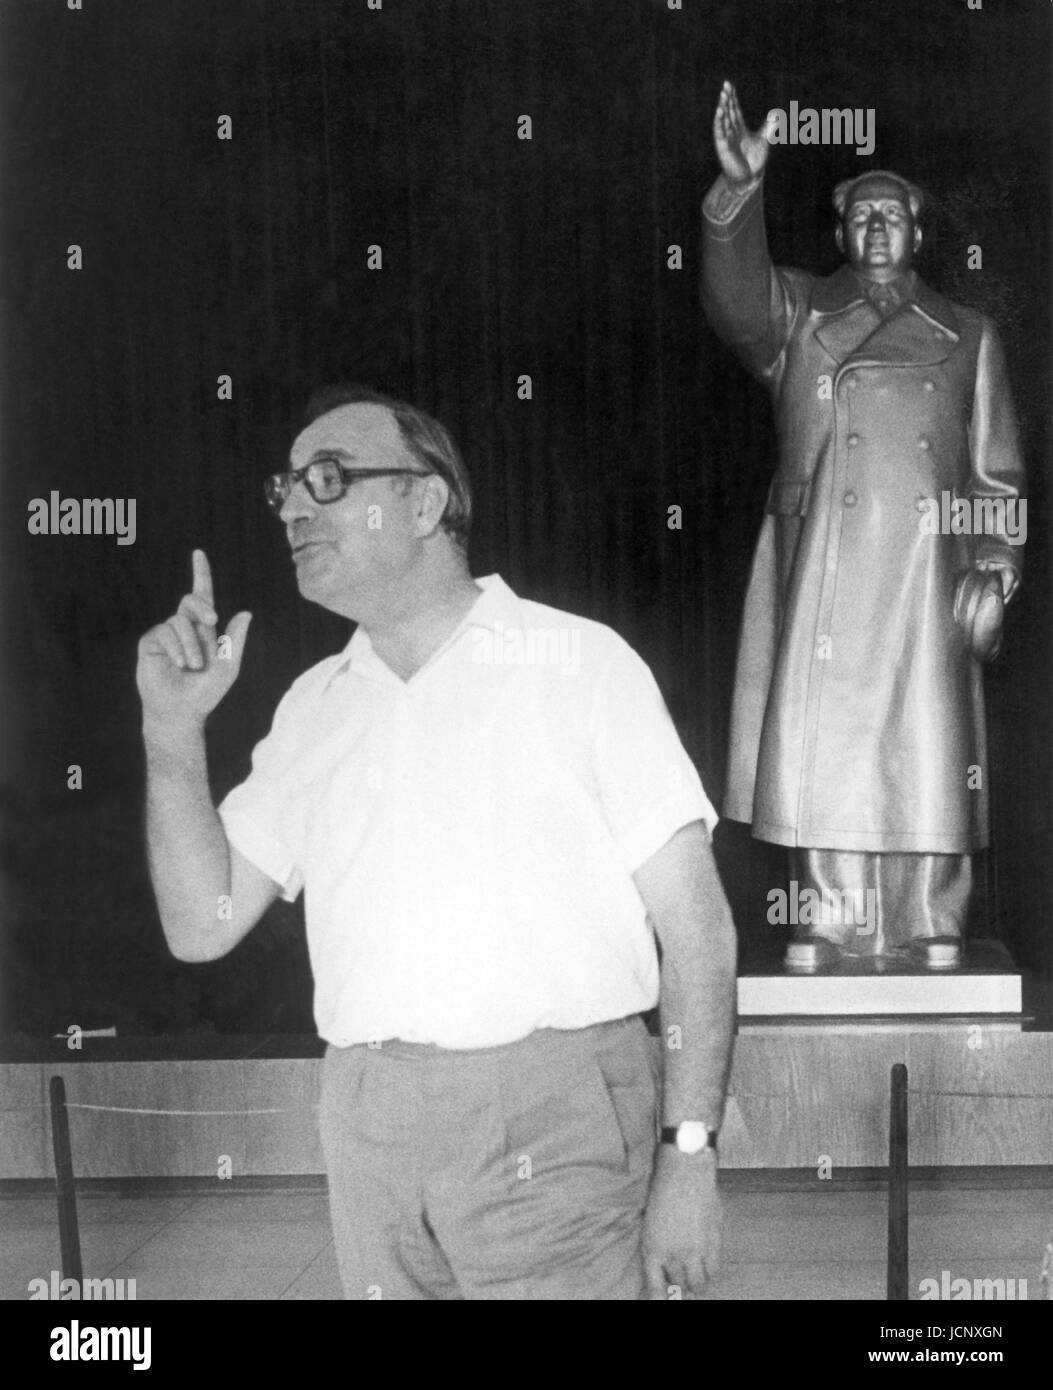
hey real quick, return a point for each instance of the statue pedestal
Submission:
(858, 987)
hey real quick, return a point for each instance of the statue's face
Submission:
(878, 234)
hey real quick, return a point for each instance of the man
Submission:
(488, 807)
(858, 720)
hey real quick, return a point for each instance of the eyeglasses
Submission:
(326, 480)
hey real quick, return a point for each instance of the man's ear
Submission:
(917, 238)
(434, 495)
(839, 236)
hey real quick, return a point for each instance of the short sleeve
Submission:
(263, 816)
(649, 787)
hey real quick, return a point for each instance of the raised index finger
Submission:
(202, 577)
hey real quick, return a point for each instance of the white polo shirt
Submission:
(466, 839)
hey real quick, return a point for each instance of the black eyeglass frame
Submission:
(278, 486)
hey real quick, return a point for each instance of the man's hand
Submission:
(742, 155)
(681, 890)
(183, 671)
(681, 1234)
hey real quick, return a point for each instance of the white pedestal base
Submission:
(986, 984)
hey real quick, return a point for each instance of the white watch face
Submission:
(691, 1136)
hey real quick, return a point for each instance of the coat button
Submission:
(853, 440)
(923, 442)
(930, 386)
(850, 498)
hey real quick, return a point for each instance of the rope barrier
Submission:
(310, 1110)
(142, 1110)
(137, 1110)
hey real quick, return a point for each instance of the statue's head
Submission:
(877, 226)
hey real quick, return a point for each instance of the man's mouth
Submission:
(303, 547)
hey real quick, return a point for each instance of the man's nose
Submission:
(299, 504)
(876, 222)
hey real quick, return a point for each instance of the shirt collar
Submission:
(897, 292)
(497, 607)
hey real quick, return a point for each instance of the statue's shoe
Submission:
(937, 952)
(811, 954)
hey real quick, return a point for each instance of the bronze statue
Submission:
(890, 543)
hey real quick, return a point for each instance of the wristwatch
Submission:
(690, 1136)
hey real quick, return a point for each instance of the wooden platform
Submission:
(803, 1093)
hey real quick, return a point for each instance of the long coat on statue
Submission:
(858, 714)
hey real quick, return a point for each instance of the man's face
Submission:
(352, 555)
(878, 234)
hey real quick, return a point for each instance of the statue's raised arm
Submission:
(742, 295)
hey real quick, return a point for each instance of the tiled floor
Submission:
(777, 1244)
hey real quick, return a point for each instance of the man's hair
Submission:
(430, 443)
(842, 195)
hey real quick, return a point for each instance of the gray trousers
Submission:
(891, 899)
(514, 1172)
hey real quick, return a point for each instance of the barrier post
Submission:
(897, 1187)
(69, 1233)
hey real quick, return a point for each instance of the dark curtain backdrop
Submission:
(501, 257)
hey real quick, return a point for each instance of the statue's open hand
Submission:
(1009, 576)
(742, 154)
